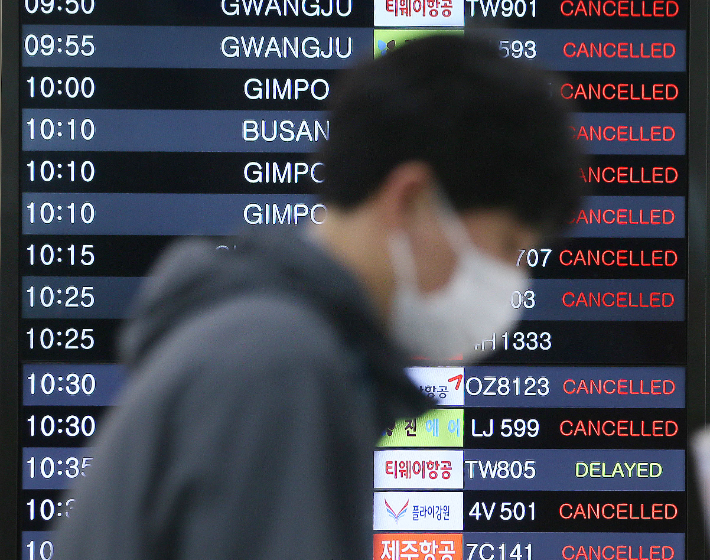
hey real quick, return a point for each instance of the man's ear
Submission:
(403, 192)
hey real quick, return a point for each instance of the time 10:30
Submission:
(72, 384)
(73, 426)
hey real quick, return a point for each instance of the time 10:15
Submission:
(48, 255)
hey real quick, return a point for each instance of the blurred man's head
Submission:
(490, 128)
(438, 150)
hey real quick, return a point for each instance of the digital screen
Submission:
(138, 122)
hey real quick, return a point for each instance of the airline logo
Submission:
(418, 511)
(442, 427)
(443, 384)
(396, 514)
(412, 469)
(419, 13)
(387, 40)
(419, 546)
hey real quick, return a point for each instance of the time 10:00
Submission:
(72, 87)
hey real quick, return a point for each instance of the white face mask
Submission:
(473, 306)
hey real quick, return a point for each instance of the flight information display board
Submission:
(140, 121)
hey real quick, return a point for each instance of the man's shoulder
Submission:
(267, 320)
(272, 353)
(250, 336)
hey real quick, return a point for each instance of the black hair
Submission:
(495, 131)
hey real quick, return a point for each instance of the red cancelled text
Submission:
(619, 387)
(621, 92)
(620, 428)
(625, 216)
(620, 8)
(621, 552)
(622, 174)
(620, 257)
(624, 133)
(618, 299)
(619, 50)
(619, 511)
